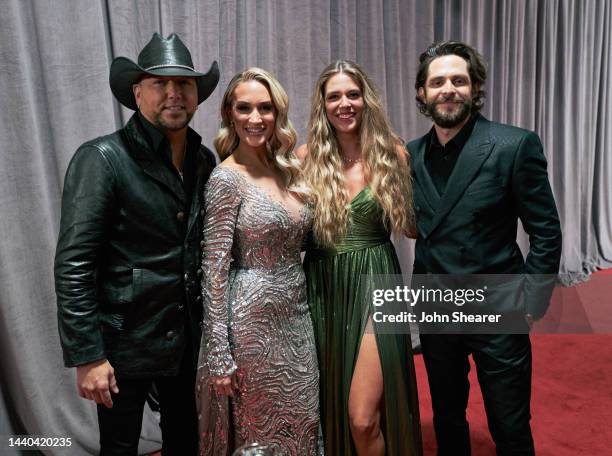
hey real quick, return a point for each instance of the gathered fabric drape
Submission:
(549, 71)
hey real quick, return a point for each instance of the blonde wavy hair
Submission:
(387, 175)
(280, 147)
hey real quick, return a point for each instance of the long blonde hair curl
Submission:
(387, 175)
(280, 146)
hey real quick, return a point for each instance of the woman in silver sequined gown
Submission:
(258, 376)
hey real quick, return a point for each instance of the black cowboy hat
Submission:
(160, 57)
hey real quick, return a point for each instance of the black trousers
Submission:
(503, 366)
(120, 426)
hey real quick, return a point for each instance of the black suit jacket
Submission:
(500, 177)
(127, 271)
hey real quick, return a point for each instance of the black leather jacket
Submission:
(127, 272)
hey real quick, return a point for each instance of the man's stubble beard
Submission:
(449, 120)
(161, 123)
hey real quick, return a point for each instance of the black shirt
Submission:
(440, 160)
(161, 146)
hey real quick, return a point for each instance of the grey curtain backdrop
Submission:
(549, 64)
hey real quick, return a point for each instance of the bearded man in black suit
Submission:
(474, 179)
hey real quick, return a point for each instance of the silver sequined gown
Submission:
(256, 322)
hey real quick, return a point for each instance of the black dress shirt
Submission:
(161, 145)
(440, 160)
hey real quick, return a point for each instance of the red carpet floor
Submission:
(571, 399)
(572, 379)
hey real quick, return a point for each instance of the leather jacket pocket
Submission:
(116, 303)
(144, 283)
(114, 320)
(150, 287)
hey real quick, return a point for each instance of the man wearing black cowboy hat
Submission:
(127, 262)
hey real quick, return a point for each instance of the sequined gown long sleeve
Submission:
(256, 323)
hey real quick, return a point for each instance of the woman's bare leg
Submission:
(365, 399)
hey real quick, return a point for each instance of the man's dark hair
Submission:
(475, 64)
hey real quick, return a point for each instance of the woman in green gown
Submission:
(359, 176)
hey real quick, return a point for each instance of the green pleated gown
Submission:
(340, 314)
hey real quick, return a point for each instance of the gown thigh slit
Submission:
(366, 371)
